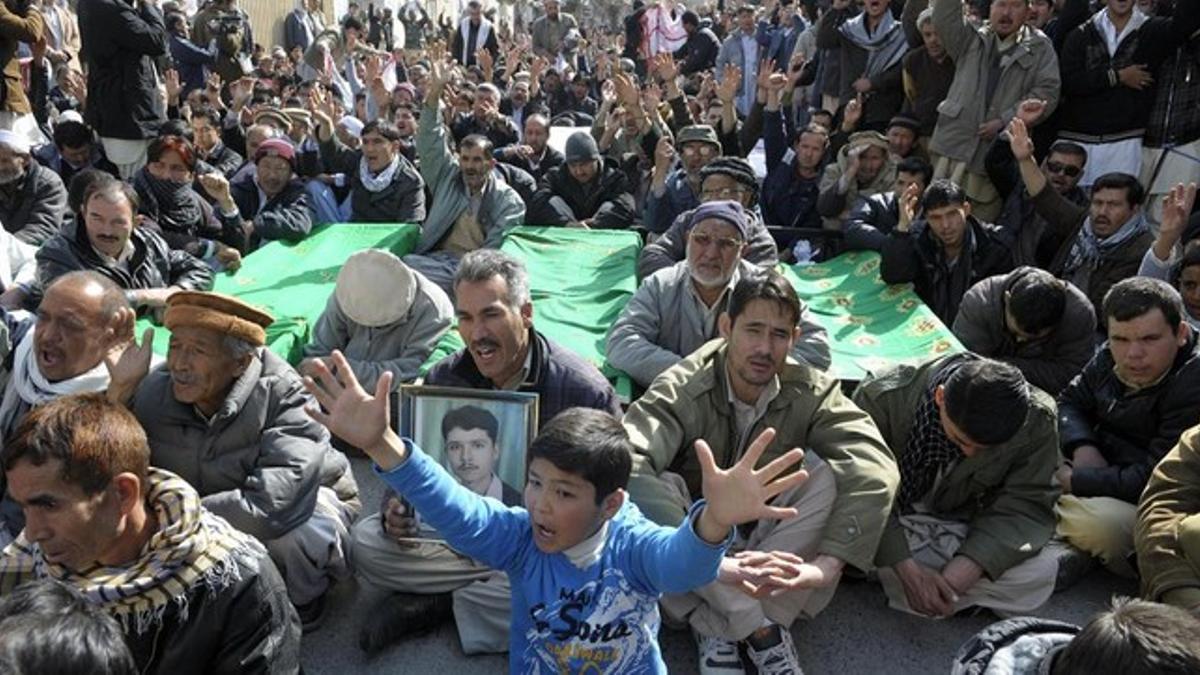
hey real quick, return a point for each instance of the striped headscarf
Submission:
(191, 547)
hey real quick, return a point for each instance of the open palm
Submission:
(741, 494)
(347, 410)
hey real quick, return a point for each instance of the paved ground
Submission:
(856, 634)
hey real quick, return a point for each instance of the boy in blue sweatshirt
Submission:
(586, 567)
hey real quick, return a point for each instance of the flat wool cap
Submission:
(218, 312)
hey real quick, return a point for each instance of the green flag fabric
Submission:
(871, 325)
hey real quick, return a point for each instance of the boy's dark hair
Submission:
(470, 417)
(690, 18)
(93, 438)
(209, 113)
(1036, 299)
(918, 166)
(589, 443)
(47, 627)
(1136, 637)
(1130, 298)
(71, 134)
(942, 193)
(383, 127)
(988, 400)
(1068, 147)
(1134, 192)
(764, 285)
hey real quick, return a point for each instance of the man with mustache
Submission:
(469, 436)
(503, 351)
(471, 208)
(32, 197)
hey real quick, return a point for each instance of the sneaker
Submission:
(775, 654)
(1073, 564)
(718, 656)
(400, 615)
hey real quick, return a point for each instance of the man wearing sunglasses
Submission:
(675, 310)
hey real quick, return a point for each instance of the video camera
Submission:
(225, 24)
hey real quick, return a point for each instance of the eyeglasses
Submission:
(722, 193)
(724, 244)
(1068, 170)
(705, 150)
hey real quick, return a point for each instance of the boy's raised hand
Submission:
(741, 494)
(348, 411)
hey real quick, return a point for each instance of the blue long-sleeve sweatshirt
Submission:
(602, 618)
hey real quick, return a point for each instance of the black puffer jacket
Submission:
(154, 264)
(607, 200)
(1132, 429)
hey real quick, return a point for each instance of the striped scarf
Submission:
(928, 450)
(191, 548)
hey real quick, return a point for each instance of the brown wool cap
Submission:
(222, 313)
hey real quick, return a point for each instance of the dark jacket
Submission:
(607, 200)
(154, 264)
(401, 202)
(48, 156)
(551, 159)
(285, 216)
(501, 132)
(193, 237)
(192, 62)
(559, 376)
(787, 199)
(871, 222)
(224, 160)
(120, 44)
(671, 247)
(918, 258)
(699, 52)
(1132, 429)
(34, 210)
(1020, 646)
(887, 90)
(1048, 363)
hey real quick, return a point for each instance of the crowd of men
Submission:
(1029, 166)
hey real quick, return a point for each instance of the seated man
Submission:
(227, 415)
(73, 148)
(271, 199)
(191, 593)
(421, 585)
(791, 188)
(206, 128)
(32, 197)
(383, 316)
(724, 178)
(384, 186)
(864, 167)
(1167, 534)
(1122, 414)
(874, 218)
(1027, 318)
(728, 392)
(976, 449)
(674, 191)
(470, 208)
(943, 253)
(107, 242)
(1104, 242)
(485, 118)
(675, 310)
(587, 191)
(533, 154)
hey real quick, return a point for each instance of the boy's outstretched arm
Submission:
(741, 494)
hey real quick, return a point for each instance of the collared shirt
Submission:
(744, 414)
(710, 314)
(518, 379)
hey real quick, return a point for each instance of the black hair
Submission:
(941, 193)
(209, 113)
(72, 134)
(469, 417)
(1134, 192)
(1130, 298)
(1036, 299)
(81, 184)
(477, 141)
(1068, 147)
(383, 127)
(178, 128)
(1136, 637)
(764, 284)
(988, 400)
(48, 627)
(589, 443)
(690, 18)
(810, 128)
(916, 165)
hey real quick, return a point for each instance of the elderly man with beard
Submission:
(673, 192)
(421, 584)
(272, 201)
(534, 154)
(675, 310)
(32, 197)
(471, 208)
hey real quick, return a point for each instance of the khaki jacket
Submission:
(1005, 493)
(15, 29)
(1172, 495)
(690, 401)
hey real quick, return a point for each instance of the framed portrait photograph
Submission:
(480, 436)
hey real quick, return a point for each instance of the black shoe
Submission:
(312, 614)
(403, 614)
(1073, 564)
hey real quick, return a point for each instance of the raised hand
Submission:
(777, 82)
(608, 92)
(1030, 111)
(731, 79)
(1176, 209)
(664, 155)
(910, 203)
(765, 68)
(483, 57)
(1019, 140)
(666, 66)
(348, 411)
(741, 494)
(171, 80)
(852, 114)
(128, 362)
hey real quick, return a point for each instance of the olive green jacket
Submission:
(1005, 493)
(690, 401)
(1173, 495)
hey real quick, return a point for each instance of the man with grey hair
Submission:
(227, 416)
(675, 310)
(420, 583)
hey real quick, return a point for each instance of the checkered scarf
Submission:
(191, 548)
(928, 450)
